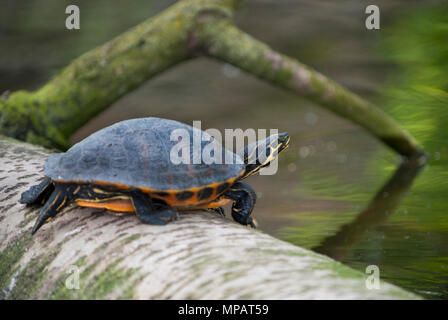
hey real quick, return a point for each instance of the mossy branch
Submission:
(187, 29)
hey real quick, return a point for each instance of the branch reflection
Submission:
(378, 211)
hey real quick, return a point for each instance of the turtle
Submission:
(128, 167)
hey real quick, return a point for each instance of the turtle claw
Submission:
(252, 223)
(219, 210)
(167, 216)
(161, 217)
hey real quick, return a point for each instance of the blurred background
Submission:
(333, 169)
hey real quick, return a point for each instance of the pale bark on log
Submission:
(200, 256)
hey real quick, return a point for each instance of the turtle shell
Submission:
(138, 153)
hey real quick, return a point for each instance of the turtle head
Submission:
(261, 153)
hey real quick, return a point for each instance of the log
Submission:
(199, 256)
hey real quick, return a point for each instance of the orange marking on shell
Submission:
(171, 199)
(215, 204)
(174, 202)
(120, 186)
(120, 205)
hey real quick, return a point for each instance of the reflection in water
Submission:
(376, 213)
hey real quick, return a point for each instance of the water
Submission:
(337, 190)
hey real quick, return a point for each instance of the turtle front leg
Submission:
(38, 194)
(244, 199)
(151, 212)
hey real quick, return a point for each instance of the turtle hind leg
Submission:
(152, 212)
(244, 198)
(38, 194)
(59, 199)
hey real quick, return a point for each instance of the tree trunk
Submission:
(199, 256)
